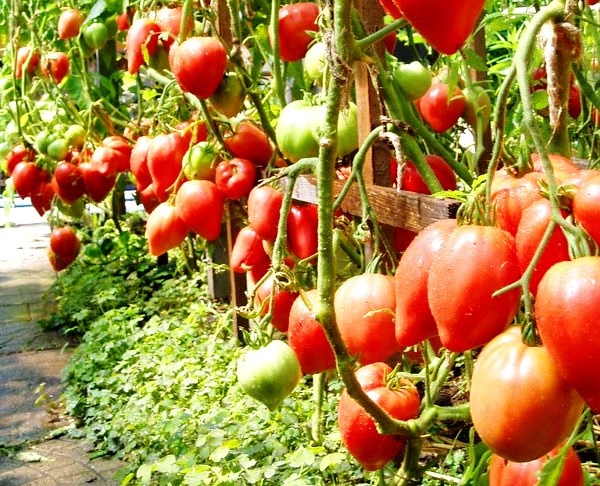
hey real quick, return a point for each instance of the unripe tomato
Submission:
(200, 161)
(521, 406)
(315, 62)
(58, 149)
(69, 23)
(413, 79)
(294, 21)
(95, 35)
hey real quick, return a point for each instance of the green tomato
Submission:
(314, 62)
(43, 140)
(230, 95)
(58, 149)
(75, 135)
(112, 27)
(200, 161)
(269, 374)
(413, 78)
(95, 35)
(300, 126)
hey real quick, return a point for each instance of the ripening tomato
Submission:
(507, 473)
(441, 109)
(566, 311)
(294, 22)
(235, 178)
(414, 321)
(282, 302)
(521, 405)
(69, 23)
(247, 251)
(143, 34)
(586, 204)
(199, 64)
(25, 55)
(201, 206)
(532, 227)
(413, 181)
(358, 429)
(472, 264)
(57, 64)
(264, 206)
(302, 223)
(229, 97)
(249, 141)
(165, 230)
(364, 306)
(307, 337)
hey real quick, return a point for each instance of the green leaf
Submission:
(96, 11)
(475, 61)
(301, 457)
(332, 460)
(144, 473)
(550, 474)
(167, 464)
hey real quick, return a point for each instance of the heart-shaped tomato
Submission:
(165, 230)
(201, 205)
(97, 183)
(165, 156)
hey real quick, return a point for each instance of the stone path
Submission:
(31, 361)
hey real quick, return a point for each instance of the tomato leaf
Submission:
(474, 60)
(552, 470)
(96, 11)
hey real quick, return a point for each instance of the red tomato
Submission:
(294, 21)
(138, 161)
(64, 247)
(521, 406)
(201, 205)
(307, 337)
(148, 197)
(143, 33)
(165, 230)
(506, 473)
(403, 238)
(18, 153)
(42, 197)
(441, 110)
(585, 207)
(68, 182)
(414, 321)
(123, 21)
(282, 303)
(445, 25)
(165, 157)
(561, 166)
(364, 306)
(510, 202)
(358, 429)
(574, 105)
(69, 23)
(25, 178)
(169, 20)
(23, 56)
(302, 230)
(235, 178)
(577, 179)
(199, 65)
(106, 160)
(566, 311)
(413, 181)
(390, 8)
(97, 182)
(247, 251)
(532, 227)
(57, 64)
(264, 206)
(121, 145)
(250, 142)
(472, 264)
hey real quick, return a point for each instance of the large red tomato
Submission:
(143, 33)
(138, 161)
(358, 429)
(165, 230)
(199, 65)
(561, 166)
(68, 183)
(249, 141)
(445, 25)
(294, 21)
(533, 225)
(169, 21)
(248, 251)
(201, 205)
(307, 337)
(235, 178)
(165, 156)
(414, 321)
(69, 23)
(18, 153)
(264, 206)
(25, 176)
(364, 306)
(97, 183)
(507, 473)
(586, 204)
(566, 310)
(302, 230)
(521, 406)
(65, 242)
(473, 263)
(441, 109)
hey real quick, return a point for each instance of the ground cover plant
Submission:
(408, 191)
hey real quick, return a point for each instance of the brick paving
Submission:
(31, 362)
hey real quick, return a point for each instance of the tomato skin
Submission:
(533, 224)
(307, 337)
(444, 25)
(264, 206)
(165, 230)
(247, 251)
(250, 141)
(69, 23)
(414, 322)
(364, 306)
(23, 53)
(18, 153)
(97, 183)
(25, 178)
(68, 183)
(302, 226)
(64, 247)
(201, 206)
(390, 8)
(475, 261)
(506, 473)
(235, 178)
(165, 157)
(198, 64)
(42, 197)
(585, 207)
(294, 21)
(282, 303)
(138, 161)
(566, 311)
(358, 429)
(95, 35)
(229, 97)
(57, 64)
(521, 406)
(143, 32)
(413, 181)
(561, 166)
(439, 109)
